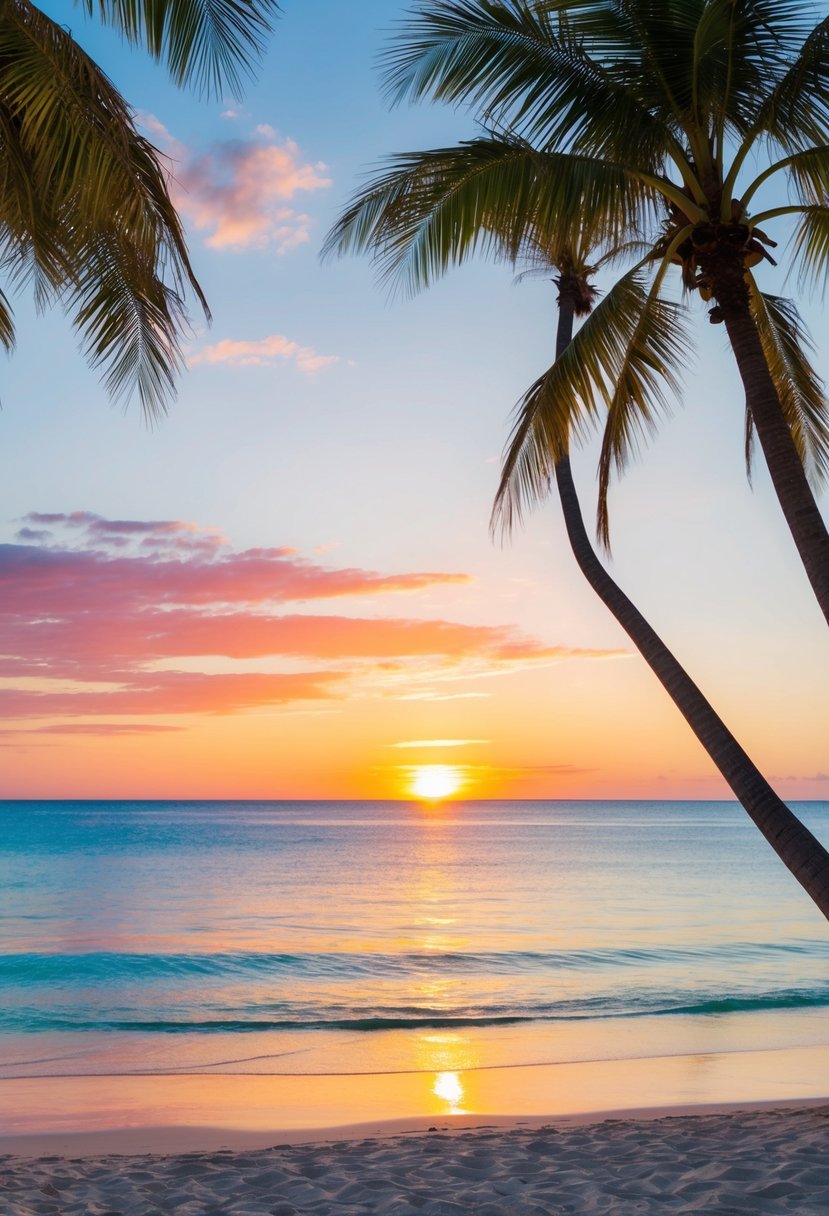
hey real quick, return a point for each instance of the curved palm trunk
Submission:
(788, 477)
(791, 840)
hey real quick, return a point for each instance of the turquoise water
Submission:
(158, 936)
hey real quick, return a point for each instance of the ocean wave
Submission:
(296, 1017)
(106, 967)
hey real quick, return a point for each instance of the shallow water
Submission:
(346, 937)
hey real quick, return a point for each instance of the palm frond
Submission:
(63, 122)
(811, 246)
(6, 322)
(625, 355)
(517, 63)
(809, 174)
(85, 212)
(807, 171)
(764, 40)
(786, 346)
(648, 47)
(794, 112)
(646, 379)
(494, 194)
(130, 321)
(211, 44)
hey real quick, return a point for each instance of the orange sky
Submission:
(149, 658)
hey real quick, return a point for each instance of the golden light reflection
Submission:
(433, 782)
(449, 1089)
(448, 1056)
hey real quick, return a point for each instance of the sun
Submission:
(432, 782)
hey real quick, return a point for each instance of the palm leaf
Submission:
(764, 40)
(71, 120)
(130, 321)
(649, 47)
(795, 111)
(624, 356)
(646, 379)
(519, 64)
(6, 322)
(212, 44)
(811, 245)
(802, 397)
(808, 174)
(85, 213)
(494, 194)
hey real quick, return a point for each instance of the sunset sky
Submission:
(287, 587)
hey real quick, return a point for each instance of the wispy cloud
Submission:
(429, 694)
(437, 743)
(106, 730)
(263, 352)
(238, 191)
(106, 618)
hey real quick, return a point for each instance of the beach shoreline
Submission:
(761, 1158)
(276, 1105)
(165, 1140)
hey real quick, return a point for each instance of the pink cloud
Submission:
(238, 192)
(83, 645)
(262, 353)
(39, 579)
(102, 729)
(124, 625)
(174, 692)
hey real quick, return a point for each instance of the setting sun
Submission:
(435, 781)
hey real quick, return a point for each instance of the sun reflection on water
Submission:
(447, 1056)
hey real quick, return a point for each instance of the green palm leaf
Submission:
(520, 63)
(811, 245)
(808, 172)
(85, 213)
(212, 44)
(130, 321)
(494, 194)
(795, 112)
(645, 380)
(63, 122)
(625, 356)
(6, 322)
(802, 397)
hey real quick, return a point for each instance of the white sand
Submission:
(760, 1162)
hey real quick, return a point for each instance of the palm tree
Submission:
(434, 209)
(85, 213)
(676, 96)
(797, 848)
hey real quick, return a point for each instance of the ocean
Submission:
(346, 937)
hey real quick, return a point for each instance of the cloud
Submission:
(102, 729)
(175, 563)
(174, 693)
(819, 776)
(429, 694)
(264, 352)
(123, 617)
(238, 192)
(557, 770)
(437, 743)
(33, 534)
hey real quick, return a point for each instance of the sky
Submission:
(286, 588)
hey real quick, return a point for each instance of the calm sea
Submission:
(333, 936)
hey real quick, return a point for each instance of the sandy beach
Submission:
(762, 1161)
